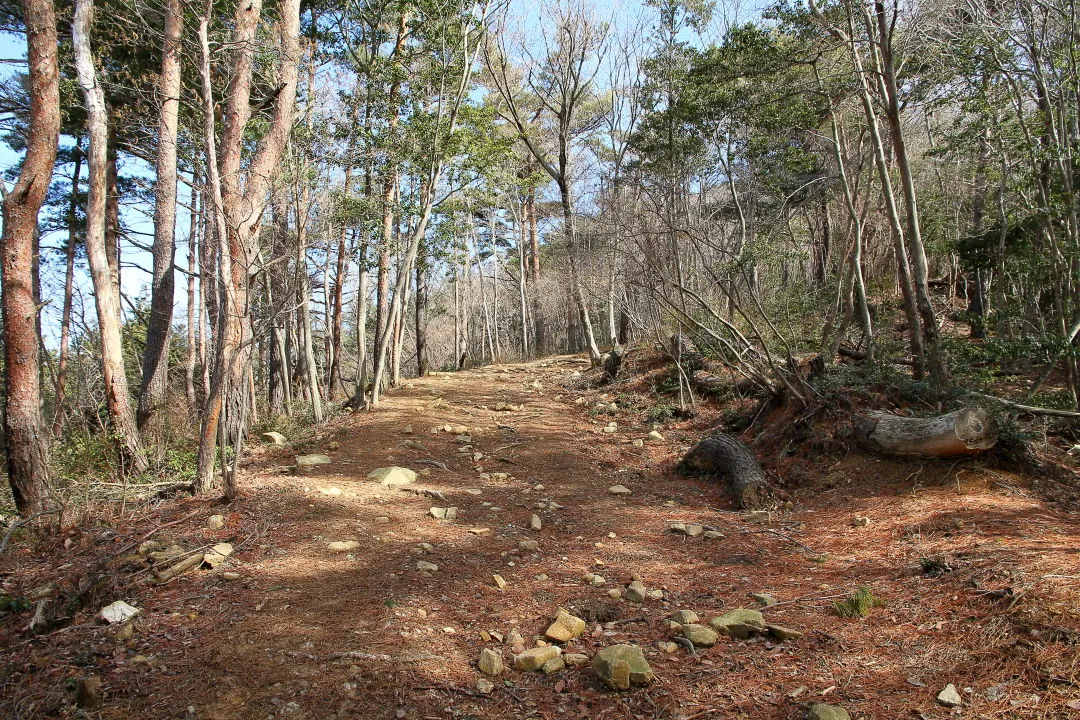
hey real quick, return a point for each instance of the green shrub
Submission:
(859, 604)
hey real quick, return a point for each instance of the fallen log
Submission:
(963, 432)
(727, 459)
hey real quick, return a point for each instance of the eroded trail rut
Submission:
(310, 632)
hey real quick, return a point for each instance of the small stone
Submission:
(619, 490)
(655, 435)
(391, 476)
(231, 576)
(684, 617)
(499, 582)
(553, 666)
(514, 639)
(407, 430)
(693, 530)
(949, 697)
(764, 599)
(638, 442)
(333, 446)
(636, 592)
(565, 628)
(490, 662)
(668, 646)
(424, 566)
(88, 692)
(740, 623)
(308, 462)
(594, 579)
(274, 438)
(214, 522)
(821, 711)
(575, 659)
(712, 535)
(529, 545)
(218, 554)
(440, 513)
(484, 686)
(534, 522)
(535, 659)
(621, 666)
(758, 516)
(700, 635)
(860, 521)
(330, 491)
(784, 634)
(343, 545)
(382, 520)
(118, 611)
(655, 594)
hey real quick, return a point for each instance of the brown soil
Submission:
(978, 575)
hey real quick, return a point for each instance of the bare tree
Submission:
(27, 463)
(562, 83)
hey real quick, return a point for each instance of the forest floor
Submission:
(977, 574)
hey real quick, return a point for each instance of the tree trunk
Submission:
(421, 313)
(963, 432)
(190, 360)
(69, 281)
(726, 458)
(106, 293)
(159, 326)
(112, 211)
(24, 432)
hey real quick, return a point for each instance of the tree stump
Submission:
(611, 363)
(963, 432)
(727, 459)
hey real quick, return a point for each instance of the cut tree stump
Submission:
(726, 458)
(963, 432)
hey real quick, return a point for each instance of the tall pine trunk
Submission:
(27, 463)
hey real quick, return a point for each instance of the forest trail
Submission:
(308, 632)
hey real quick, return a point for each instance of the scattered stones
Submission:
(615, 594)
(413, 445)
(118, 612)
(740, 623)
(949, 697)
(860, 521)
(594, 579)
(684, 617)
(784, 634)
(619, 490)
(713, 535)
(275, 438)
(668, 646)
(214, 522)
(638, 442)
(484, 686)
(821, 711)
(218, 554)
(331, 491)
(535, 659)
(490, 662)
(382, 520)
(407, 430)
(655, 435)
(343, 545)
(441, 513)
(392, 476)
(565, 628)
(700, 635)
(693, 530)
(621, 666)
(305, 463)
(514, 639)
(764, 599)
(424, 566)
(529, 545)
(758, 516)
(534, 522)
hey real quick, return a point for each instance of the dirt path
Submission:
(312, 633)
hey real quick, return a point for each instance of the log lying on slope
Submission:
(726, 458)
(963, 432)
